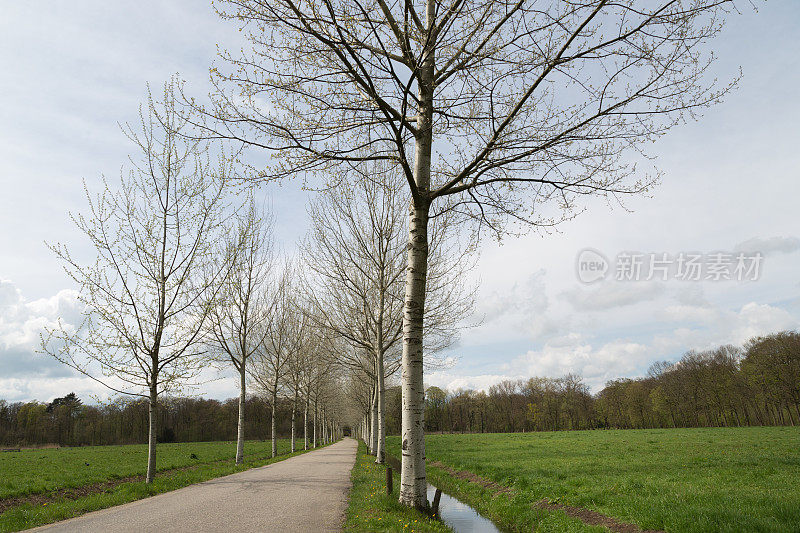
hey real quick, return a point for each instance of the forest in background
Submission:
(754, 385)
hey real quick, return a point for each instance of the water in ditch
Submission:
(459, 516)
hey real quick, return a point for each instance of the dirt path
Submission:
(303, 493)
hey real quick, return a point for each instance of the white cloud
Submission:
(453, 382)
(759, 319)
(770, 245)
(24, 373)
(573, 354)
(611, 294)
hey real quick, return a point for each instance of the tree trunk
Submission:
(151, 438)
(315, 425)
(380, 450)
(373, 430)
(240, 429)
(294, 413)
(413, 483)
(274, 439)
(305, 425)
(413, 486)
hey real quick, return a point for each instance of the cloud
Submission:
(573, 354)
(453, 382)
(526, 298)
(22, 322)
(22, 389)
(611, 294)
(770, 245)
(759, 319)
(599, 361)
(522, 310)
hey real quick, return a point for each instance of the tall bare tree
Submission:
(299, 363)
(146, 295)
(356, 251)
(237, 322)
(505, 106)
(281, 339)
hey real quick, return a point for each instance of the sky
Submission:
(72, 72)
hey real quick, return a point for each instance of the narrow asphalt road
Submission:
(304, 493)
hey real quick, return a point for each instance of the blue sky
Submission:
(72, 72)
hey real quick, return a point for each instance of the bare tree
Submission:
(356, 252)
(281, 339)
(237, 322)
(300, 364)
(146, 295)
(504, 106)
(317, 369)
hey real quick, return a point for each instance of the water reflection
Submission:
(459, 516)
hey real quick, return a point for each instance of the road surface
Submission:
(306, 493)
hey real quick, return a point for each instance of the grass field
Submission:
(715, 479)
(42, 486)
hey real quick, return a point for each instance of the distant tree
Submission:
(773, 365)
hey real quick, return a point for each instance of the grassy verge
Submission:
(41, 471)
(183, 473)
(711, 479)
(371, 509)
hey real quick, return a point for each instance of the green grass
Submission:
(43, 471)
(371, 509)
(714, 479)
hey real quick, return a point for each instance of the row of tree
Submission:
(186, 278)
(756, 385)
(186, 282)
(484, 112)
(499, 114)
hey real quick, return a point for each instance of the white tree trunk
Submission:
(380, 450)
(294, 416)
(240, 429)
(274, 438)
(151, 437)
(413, 485)
(373, 425)
(305, 425)
(315, 424)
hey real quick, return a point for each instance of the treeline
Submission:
(755, 385)
(68, 422)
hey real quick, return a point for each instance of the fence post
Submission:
(436, 498)
(389, 480)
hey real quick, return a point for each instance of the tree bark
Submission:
(151, 440)
(380, 450)
(315, 425)
(294, 416)
(240, 429)
(413, 486)
(305, 425)
(373, 429)
(274, 439)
